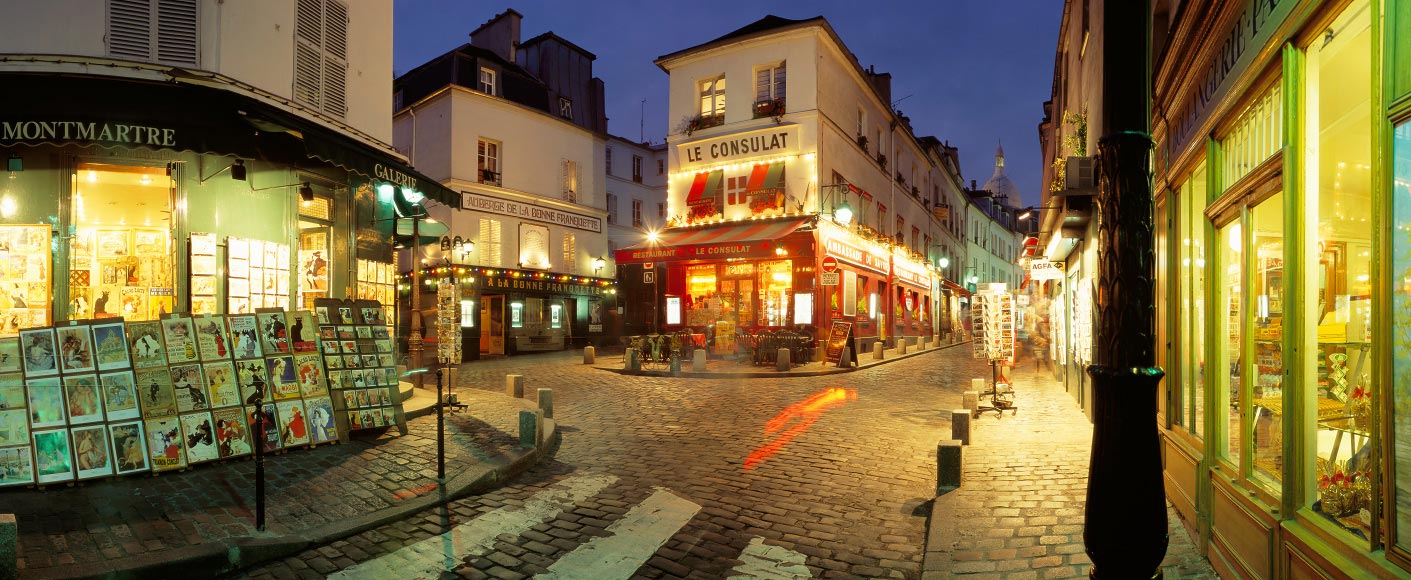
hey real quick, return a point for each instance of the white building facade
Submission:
(635, 177)
(517, 130)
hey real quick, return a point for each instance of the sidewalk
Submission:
(200, 523)
(1019, 510)
(741, 367)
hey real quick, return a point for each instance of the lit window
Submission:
(488, 162)
(769, 91)
(712, 93)
(467, 314)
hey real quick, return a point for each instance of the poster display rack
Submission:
(91, 399)
(992, 317)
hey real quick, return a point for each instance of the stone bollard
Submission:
(901, 345)
(925, 342)
(971, 400)
(529, 428)
(632, 361)
(590, 355)
(821, 353)
(514, 386)
(977, 385)
(698, 360)
(781, 360)
(9, 547)
(844, 359)
(546, 402)
(950, 464)
(877, 350)
(960, 425)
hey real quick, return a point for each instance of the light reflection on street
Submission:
(806, 412)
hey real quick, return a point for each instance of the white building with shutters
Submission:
(517, 128)
(200, 156)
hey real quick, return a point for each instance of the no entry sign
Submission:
(830, 264)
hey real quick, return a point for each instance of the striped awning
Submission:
(736, 240)
(765, 176)
(703, 187)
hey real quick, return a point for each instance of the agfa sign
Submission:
(1045, 270)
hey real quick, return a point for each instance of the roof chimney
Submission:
(499, 35)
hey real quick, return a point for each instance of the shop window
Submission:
(121, 256)
(467, 314)
(1400, 414)
(1228, 278)
(1255, 137)
(1192, 225)
(702, 305)
(490, 245)
(1266, 315)
(516, 315)
(1337, 289)
(776, 287)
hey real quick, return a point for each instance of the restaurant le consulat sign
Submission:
(774, 141)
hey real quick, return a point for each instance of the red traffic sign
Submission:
(830, 264)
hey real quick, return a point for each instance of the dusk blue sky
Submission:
(971, 72)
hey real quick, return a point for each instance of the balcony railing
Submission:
(769, 108)
(490, 177)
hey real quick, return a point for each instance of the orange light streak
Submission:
(807, 412)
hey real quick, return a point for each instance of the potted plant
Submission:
(882, 160)
(862, 142)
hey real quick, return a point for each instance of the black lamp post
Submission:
(1125, 517)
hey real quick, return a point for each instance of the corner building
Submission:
(1283, 202)
(786, 156)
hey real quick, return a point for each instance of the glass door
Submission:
(492, 325)
(120, 256)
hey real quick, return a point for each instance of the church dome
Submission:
(999, 183)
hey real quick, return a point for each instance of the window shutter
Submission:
(321, 56)
(130, 29)
(177, 27)
(335, 58)
(308, 37)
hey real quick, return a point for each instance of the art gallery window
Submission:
(121, 261)
(776, 288)
(315, 229)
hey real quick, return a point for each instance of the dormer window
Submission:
(487, 81)
(565, 108)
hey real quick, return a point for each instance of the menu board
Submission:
(837, 342)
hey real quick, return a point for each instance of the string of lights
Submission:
(468, 274)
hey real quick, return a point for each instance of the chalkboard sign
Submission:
(837, 341)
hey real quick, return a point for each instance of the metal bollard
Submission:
(514, 386)
(960, 425)
(589, 355)
(440, 431)
(529, 428)
(546, 402)
(950, 465)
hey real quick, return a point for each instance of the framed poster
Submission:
(150, 242)
(309, 369)
(110, 347)
(212, 338)
(203, 266)
(75, 348)
(321, 312)
(190, 387)
(164, 444)
(179, 338)
(253, 384)
(113, 243)
(270, 426)
(53, 458)
(203, 244)
(85, 404)
(9, 354)
(244, 336)
(119, 395)
(145, 345)
(46, 402)
(237, 248)
(14, 427)
(283, 377)
(129, 447)
(303, 331)
(92, 455)
(12, 391)
(274, 336)
(200, 436)
(38, 348)
(155, 390)
(221, 384)
(16, 466)
(232, 436)
(322, 427)
(293, 427)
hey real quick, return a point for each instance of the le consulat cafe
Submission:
(749, 247)
(133, 198)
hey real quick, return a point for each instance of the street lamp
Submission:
(598, 264)
(944, 262)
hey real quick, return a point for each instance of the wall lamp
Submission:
(237, 171)
(1029, 211)
(598, 264)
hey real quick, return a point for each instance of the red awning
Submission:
(956, 288)
(736, 240)
(703, 187)
(1031, 247)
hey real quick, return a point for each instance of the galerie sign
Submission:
(87, 131)
(772, 142)
(527, 211)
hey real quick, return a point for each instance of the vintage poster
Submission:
(239, 305)
(274, 336)
(232, 436)
(270, 426)
(84, 400)
(110, 346)
(355, 420)
(53, 459)
(238, 288)
(254, 384)
(119, 395)
(330, 346)
(14, 427)
(130, 302)
(322, 313)
(91, 453)
(363, 332)
(203, 285)
(46, 402)
(75, 349)
(373, 315)
(244, 336)
(313, 271)
(200, 436)
(9, 354)
(221, 385)
(203, 244)
(16, 466)
(158, 398)
(239, 271)
(145, 345)
(309, 369)
(150, 242)
(160, 303)
(164, 444)
(335, 379)
(333, 362)
(12, 391)
(212, 339)
(345, 315)
(293, 425)
(237, 248)
(283, 376)
(321, 424)
(385, 360)
(203, 266)
(39, 348)
(113, 243)
(129, 447)
(179, 338)
(190, 388)
(203, 305)
(302, 331)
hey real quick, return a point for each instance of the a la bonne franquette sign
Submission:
(771, 142)
(530, 212)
